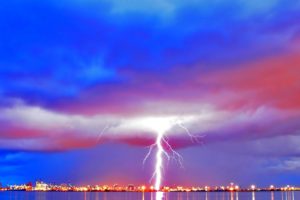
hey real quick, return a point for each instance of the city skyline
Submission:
(188, 93)
(41, 186)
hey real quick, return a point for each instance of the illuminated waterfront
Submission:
(46, 187)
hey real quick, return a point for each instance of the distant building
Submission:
(130, 187)
(116, 187)
(41, 186)
(28, 186)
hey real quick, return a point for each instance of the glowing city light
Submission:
(45, 187)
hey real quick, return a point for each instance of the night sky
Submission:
(84, 85)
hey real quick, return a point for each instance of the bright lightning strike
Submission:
(159, 161)
(160, 125)
(159, 144)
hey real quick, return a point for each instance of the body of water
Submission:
(149, 196)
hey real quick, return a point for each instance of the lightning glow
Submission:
(159, 161)
(162, 147)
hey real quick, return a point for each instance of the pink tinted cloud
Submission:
(274, 82)
(271, 81)
(259, 99)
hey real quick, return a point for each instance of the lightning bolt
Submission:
(163, 150)
(159, 161)
(102, 132)
(162, 147)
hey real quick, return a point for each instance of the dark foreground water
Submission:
(149, 196)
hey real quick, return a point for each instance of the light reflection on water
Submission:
(253, 195)
(289, 195)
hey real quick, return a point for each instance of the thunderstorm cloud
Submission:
(86, 73)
